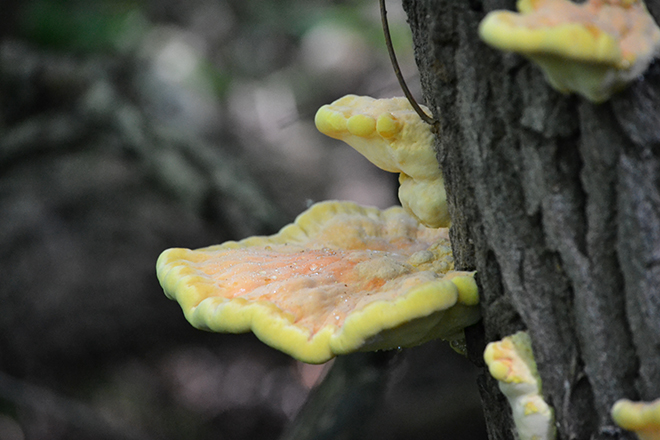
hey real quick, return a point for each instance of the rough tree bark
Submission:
(555, 202)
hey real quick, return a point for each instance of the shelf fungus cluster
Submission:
(594, 48)
(393, 137)
(341, 278)
(643, 418)
(511, 362)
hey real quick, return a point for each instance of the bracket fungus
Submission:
(594, 48)
(512, 363)
(641, 417)
(393, 137)
(341, 278)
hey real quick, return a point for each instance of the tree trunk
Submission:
(555, 202)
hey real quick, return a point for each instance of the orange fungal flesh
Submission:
(594, 48)
(317, 286)
(341, 278)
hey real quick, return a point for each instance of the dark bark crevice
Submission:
(555, 202)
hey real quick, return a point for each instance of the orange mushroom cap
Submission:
(594, 48)
(341, 278)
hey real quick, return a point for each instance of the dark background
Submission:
(127, 127)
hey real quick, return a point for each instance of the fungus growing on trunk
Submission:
(393, 137)
(512, 363)
(593, 49)
(341, 278)
(641, 417)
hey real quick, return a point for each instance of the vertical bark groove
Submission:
(556, 202)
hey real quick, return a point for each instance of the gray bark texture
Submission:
(555, 202)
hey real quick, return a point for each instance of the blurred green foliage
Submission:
(257, 28)
(81, 26)
(109, 25)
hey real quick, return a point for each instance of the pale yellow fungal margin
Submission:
(393, 137)
(641, 417)
(594, 49)
(511, 362)
(341, 278)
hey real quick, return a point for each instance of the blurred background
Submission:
(131, 126)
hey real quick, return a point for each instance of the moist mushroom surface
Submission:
(341, 278)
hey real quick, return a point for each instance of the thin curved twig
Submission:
(397, 70)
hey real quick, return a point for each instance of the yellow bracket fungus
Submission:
(393, 137)
(594, 48)
(341, 278)
(641, 417)
(511, 362)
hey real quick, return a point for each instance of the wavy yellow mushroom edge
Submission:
(392, 136)
(594, 49)
(511, 362)
(643, 418)
(435, 309)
